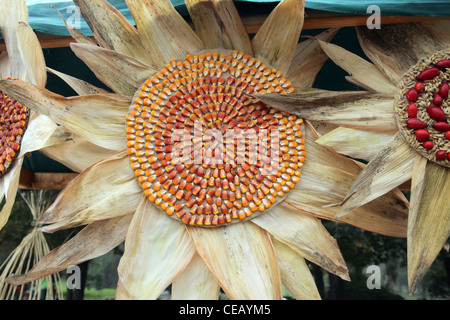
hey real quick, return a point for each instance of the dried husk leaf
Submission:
(75, 113)
(93, 241)
(157, 249)
(308, 60)
(120, 72)
(13, 12)
(195, 282)
(165, 34)
(295, 274)
(358, 144)
(69, 149)
(218, 25)
(321, 127)
(106, 189)
(387, 170)
(9, 189)
(307, 236)
(361, 71)
(242, 259)
(77, 35)
(354, 109)
(5, 66)
(31, 53)
(439, 30)
(326, 178)
(429, 220)
(76, 153)
(79, 86)
(276, 41)
(207, 24)
(112, 30)
(41, 132)
(395, 48)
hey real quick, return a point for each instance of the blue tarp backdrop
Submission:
(45, 19)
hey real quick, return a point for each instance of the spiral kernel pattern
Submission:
(203, 149)
(13, 123)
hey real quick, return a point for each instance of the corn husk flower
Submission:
(33, 248)
(208, 225)
(400, 125)
(24, 131)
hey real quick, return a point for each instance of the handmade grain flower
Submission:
(22, 131)
(195, 212)
(401, 126)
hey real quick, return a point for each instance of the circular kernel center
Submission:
(203, 149)
(422, 107)
(13, 122)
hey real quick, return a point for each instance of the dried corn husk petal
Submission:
(276, 40)
(207, 24)
(9, 190)
(242, 259)
(361, 71)
(41, 132)
(429, 219)
(120, 72)
(76, 153)
(295, 274)
(399, 46)
(93, 241)
(31, 53)
(107, 189)
(353, 109)
(79, 86)
(439, 30)
(157, 249)
(358, 144)
(75, 113)
(165, 34)
(77, 35)
(387, 170)
(326, 172)
(195, 282)
(307, 236)
(218, 25)
(308, 60)
(5, 66)
(16, 11)
(321, 127)
(112, 30)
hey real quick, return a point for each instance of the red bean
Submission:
(441, 155)
(414, 123)
(443, 64)
(436, 113)
(412, 95)
(437, 99)
(412, 110)
(441, 126)
(428, 145)
(428, 74)
(443, 90)
(422, 135)
(419, 86)
(447, 135)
